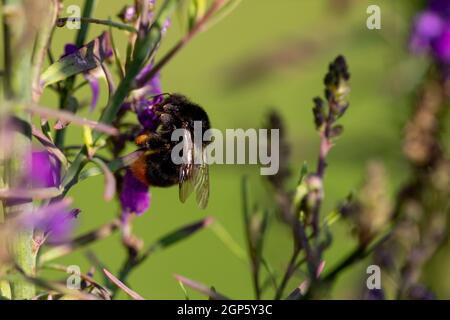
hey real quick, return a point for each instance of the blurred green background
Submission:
(267, 54)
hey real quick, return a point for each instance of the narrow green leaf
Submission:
(178, 235)
(228, 241)
(183, 288)
(212, 294)
(122, 286)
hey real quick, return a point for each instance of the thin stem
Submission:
(113, 24)
(291, 268)
(68, 87)
(254, 260)
(325, 146)
(19, 42)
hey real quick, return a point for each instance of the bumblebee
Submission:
(156, 168)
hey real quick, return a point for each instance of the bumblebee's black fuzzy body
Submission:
(155, 167)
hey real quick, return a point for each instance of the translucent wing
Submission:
(201, 180)
(186, 182)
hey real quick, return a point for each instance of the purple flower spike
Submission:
(56, 221)
(135, 196)
(44, 170)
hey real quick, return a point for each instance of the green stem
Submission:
(113, 24)
(19, 42)
(68, 88)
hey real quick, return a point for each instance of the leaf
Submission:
(177, 236)
(295, 295)
(122, 286)
(224, 11)
(86, 58)
(226, 238)
(197, 9)
(183, 288)
(212, 294)
(303, 172)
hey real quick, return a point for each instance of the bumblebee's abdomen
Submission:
(160, 170)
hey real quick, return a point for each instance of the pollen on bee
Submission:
(141, 139)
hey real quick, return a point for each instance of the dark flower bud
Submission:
(328, 79)
(336, 131)
(318, 111)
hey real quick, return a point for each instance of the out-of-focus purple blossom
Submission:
(135, 196)
(44, 170)
(441, 6)
(152, 86)
(427, 27)
(420, 292)
(431, 31)
(56, 221)
(129, 13)
(374, 294)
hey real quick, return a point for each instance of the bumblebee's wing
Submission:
(201, 181)
(186, 181)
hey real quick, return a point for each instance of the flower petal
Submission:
(135, 196)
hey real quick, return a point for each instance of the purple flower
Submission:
(431, 31)
(129, 13)
(44, 170)
(56, 221)
(146, 114)
(441, 6)
(441, 46)
(427, 27)
(135, 196)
